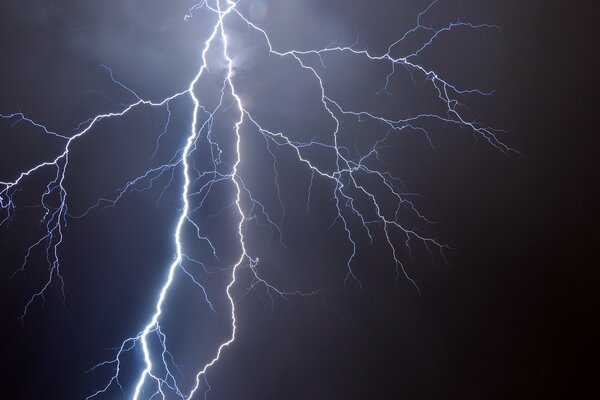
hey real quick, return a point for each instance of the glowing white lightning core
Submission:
(352, 196)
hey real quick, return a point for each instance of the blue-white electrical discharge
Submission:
(351, 176)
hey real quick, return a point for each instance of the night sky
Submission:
(505, 316)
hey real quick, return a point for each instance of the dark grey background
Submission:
(505, 318)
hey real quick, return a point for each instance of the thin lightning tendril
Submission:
(350, 193)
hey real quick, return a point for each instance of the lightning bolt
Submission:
(352, 177)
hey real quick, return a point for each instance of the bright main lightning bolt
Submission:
(352, 197)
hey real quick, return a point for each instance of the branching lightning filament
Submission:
(356, 179)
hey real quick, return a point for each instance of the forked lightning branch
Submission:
(357, 182)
